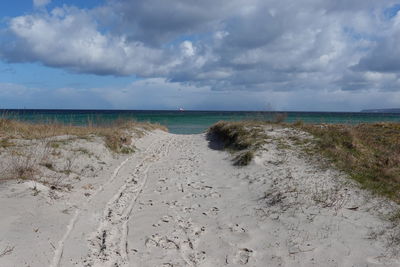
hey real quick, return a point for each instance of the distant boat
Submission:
(181, 109)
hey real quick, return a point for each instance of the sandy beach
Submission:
(180, 133)
(179, 201)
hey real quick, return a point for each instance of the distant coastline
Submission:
(386, 110)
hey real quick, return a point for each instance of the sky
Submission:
(303, 55)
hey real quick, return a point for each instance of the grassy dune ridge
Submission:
(369, 152)
(116, 134)
(31, 150)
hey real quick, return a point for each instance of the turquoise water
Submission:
(190, 122)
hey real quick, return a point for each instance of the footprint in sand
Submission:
(197, 257)
(213, 195)
(184, 224)
(167, 243)
(161, 189)
(213, 212)
(199, 230)
(151, 242)
(161, 241)
(236, 228)
(172, 204)
(163, 180)
(166, 218)
(188, 209)
(242, 256)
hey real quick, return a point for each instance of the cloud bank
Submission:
(157, 93)
(227, 45)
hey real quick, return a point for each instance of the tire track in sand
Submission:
(108, 245)
(58, 252)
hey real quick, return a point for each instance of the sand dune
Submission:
(178, 202)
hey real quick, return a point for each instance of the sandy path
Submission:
(199, 210)
(177, 202)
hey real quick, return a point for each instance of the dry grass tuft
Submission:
(23, 167)
(23, 162)
(242, 139)
(369, 153)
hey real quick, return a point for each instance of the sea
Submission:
(189, 122)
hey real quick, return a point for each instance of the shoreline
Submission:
(196, 122)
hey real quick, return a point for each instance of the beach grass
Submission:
(368, 152)
(242, 139)
(26, 147)
(117, 135)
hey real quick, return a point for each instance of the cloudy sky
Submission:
(316, 55)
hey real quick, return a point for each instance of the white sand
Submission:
(177, 202)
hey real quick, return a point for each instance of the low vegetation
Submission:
(369, 153)
(116, 135)
(242, 139)
(26, 147)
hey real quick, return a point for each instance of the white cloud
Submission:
(187, 49)
(41, 3)
(69, 38)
